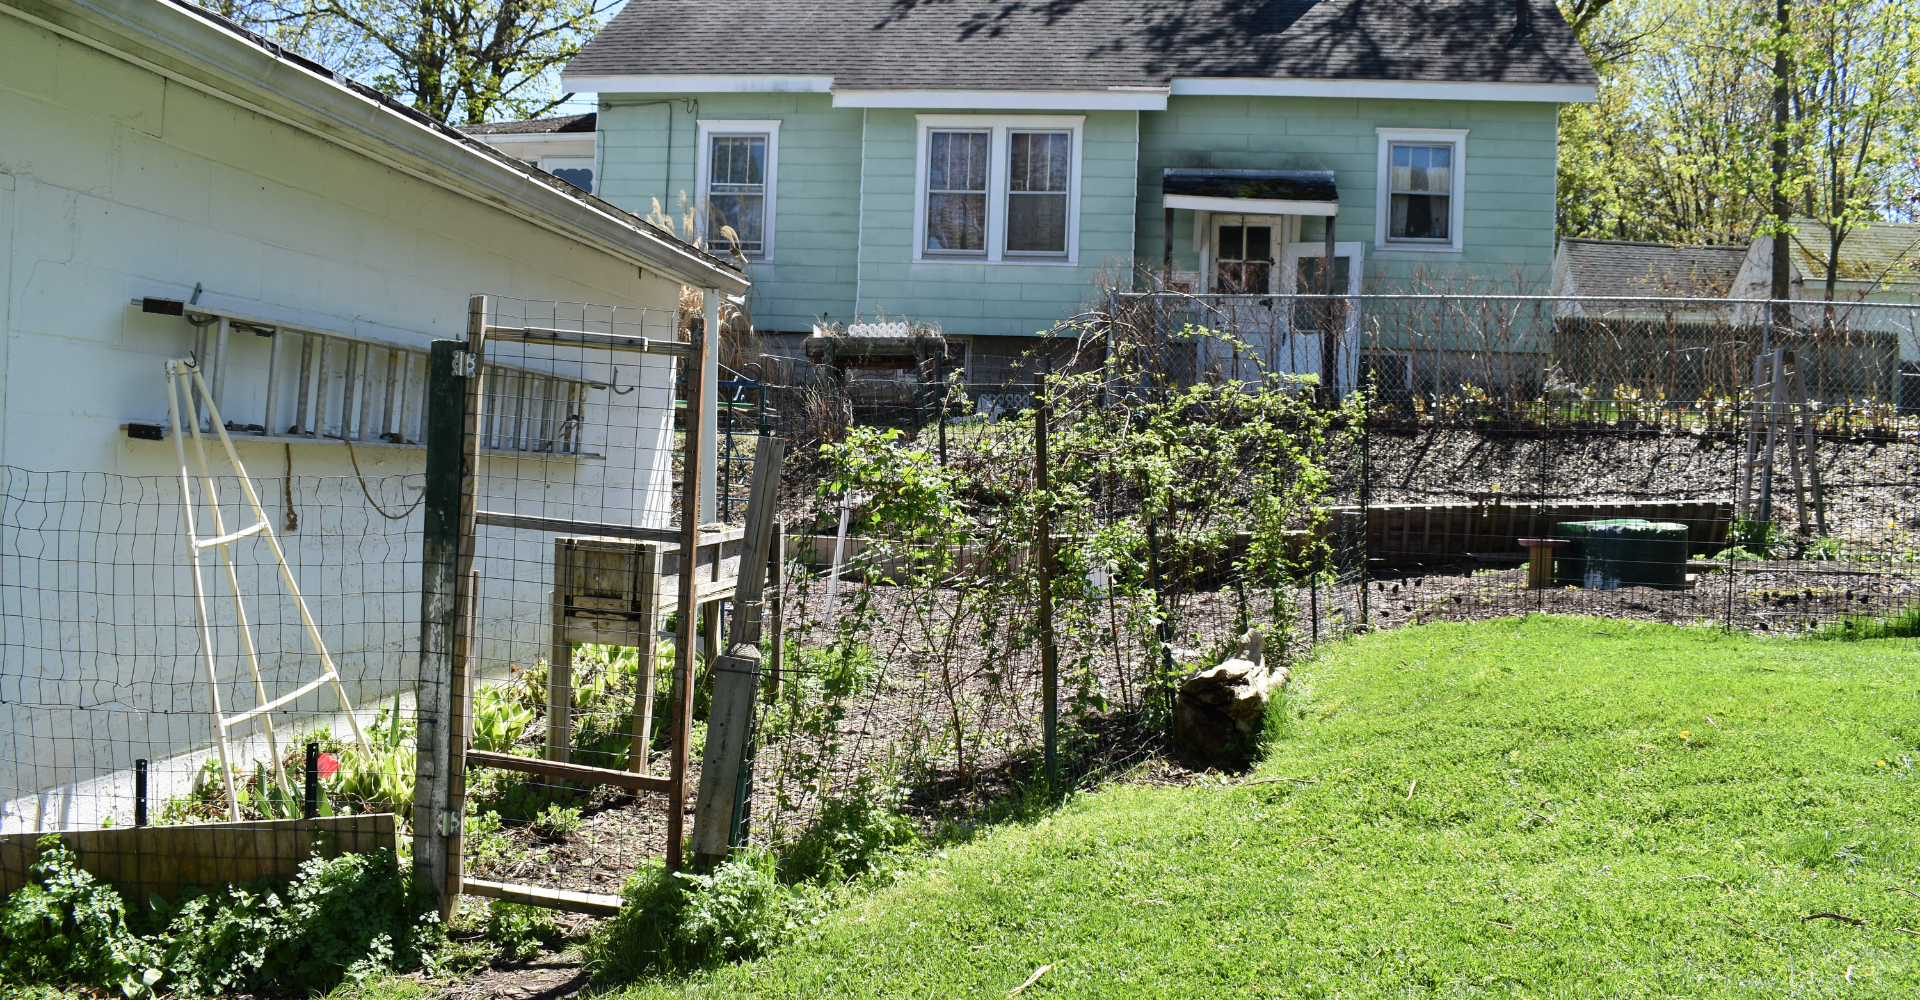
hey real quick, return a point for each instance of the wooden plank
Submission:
(140, 861)
(568, 772)
(576, 338)
(736, 679)
(691, 482)
(594, 903)
(603, 529)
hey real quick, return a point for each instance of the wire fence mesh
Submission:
(1210, 474)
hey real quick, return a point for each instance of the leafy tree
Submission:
(458, 60)
(1679, 145)
(1858, 118)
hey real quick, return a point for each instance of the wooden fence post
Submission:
(736, 677)
(439, 550)
(691, 477)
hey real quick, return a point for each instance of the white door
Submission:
(1322, 336)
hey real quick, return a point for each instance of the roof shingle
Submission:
(1087, 44)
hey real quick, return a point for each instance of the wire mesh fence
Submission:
(1153, 489)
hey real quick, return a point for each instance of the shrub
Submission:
(850, 836)
(677, 922)
(64, 927)
(341, 918)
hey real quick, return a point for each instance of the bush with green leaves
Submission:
(852, 837)
(64, 927)
(681, 921)
(341, 918)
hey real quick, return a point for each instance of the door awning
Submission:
(1253, 192)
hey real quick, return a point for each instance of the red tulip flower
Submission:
(329, 765)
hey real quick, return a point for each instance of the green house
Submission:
(982, 167)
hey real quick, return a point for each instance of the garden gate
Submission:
(558, 512)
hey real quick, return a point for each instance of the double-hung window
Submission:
(737, 161)
(1420, 189)
(998, 189)
(957, 192)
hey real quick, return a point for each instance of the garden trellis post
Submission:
(1043, 552)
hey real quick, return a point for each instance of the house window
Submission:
(1420, 189)
(575, 170)
(737, 164)
(1037, 170)
(957, 192)
(998, 189)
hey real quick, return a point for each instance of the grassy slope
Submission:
(1562, 840)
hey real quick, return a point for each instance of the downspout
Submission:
(860, 223)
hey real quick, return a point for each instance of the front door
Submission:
(1325, 332)
(1243, 254)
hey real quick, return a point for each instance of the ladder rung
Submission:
(232, 537)
(310, 686)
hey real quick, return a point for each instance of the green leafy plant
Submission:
(520, 931)
(65, 927)
(555, 822)
(853, 836)
(683, 921)
(500, 718)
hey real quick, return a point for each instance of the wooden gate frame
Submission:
(456, 394)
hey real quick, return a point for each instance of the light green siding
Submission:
(845, 201)
(811, 278)
(1507, 242)
(989, 298)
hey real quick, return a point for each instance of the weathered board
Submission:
(162, 859)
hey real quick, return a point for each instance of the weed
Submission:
(64, 927)
(677, 922)
(1904, 625)
(520, 931)
(556, 822)
(851, 837)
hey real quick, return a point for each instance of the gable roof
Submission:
(202, 49)
(1078, 45)
(1884, 253)
(1622, 269)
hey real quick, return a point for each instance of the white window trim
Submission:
(703, 154)
(997, 191)
(1457, 200)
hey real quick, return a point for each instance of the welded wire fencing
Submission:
(962, 562)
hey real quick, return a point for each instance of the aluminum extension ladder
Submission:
(186, 392)
(1779, 408)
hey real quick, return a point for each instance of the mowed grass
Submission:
(1554, 807)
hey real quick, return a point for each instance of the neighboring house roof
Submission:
(1621, 269)
(1882, 254)
(536, 126)
(1089, 45)
(201, 49)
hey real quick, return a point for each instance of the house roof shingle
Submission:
(536, 126)
(1619, 269)
(1885, 252)
(1087, 44)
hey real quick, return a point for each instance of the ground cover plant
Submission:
(1527, 807)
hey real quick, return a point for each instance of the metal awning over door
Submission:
(1252, 192)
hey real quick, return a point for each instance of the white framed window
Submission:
(998, 188)
(736, 168)
(1421, 198)
(575, 170)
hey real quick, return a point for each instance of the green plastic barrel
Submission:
(1624, 552)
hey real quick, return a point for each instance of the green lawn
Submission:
(1555, 807)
